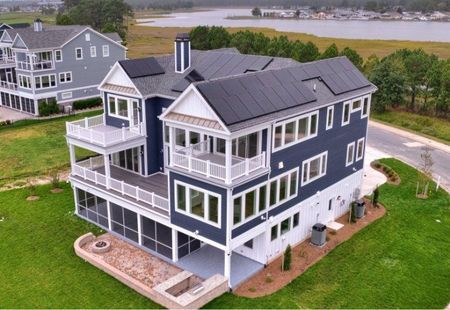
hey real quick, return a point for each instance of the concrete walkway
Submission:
(372, 178)
(12, 115)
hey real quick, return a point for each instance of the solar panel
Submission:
(141, 67)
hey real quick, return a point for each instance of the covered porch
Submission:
(208, 261)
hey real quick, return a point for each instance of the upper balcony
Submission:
(93, 131)
(201, 160)
(8, 85)
(35, 66)
(7, 61)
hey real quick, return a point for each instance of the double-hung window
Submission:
(295, 130)
(78, 53)
(58, 56)
(24, 81)
(65, 77)
(314, 168)
(350, 154)
(366, 107)
(118, 106)
(360, 149)
(45, 81)
(330, 117)
(105, 50)
(346, 113)
(356, 105)
(93, 51)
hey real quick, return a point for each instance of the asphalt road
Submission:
(409, 151)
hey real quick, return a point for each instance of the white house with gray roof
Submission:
(45, 62)
(216, 161)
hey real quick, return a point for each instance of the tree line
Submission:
(407, 79)
(102, 15)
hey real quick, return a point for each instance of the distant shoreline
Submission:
(245, 17)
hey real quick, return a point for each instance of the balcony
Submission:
(199, 159)
(35, 66)
(94, 131)
(8, 85)
(7, 61)
(150, 193)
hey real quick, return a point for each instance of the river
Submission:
(350, 29)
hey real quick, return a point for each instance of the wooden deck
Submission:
(156, 183)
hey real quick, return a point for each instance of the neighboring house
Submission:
(216, 160)
(65, 63)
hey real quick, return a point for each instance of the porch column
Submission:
(107, 169)
(228, 160)
(174, 245)
(227, 266)
(172, 144)
(73, 159)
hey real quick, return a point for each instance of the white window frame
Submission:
(368, 106)
(330, 113)
(347, 162)
(40, 79)
(105, 50)
(76, 54)
(93, 50)
(360, 105)
(256, 188)
(308, 161)
(65, 74)
(362, 140)
(206, 193)
(296, 139)
(343, 123)
(60, 54)
(87, 36)
(67, 95)
(22, 78)
(129, 106)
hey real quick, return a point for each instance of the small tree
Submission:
(426, 172)
(376, 194)
(55, 179)
(256, 12)
(353, 212)
(287, 257)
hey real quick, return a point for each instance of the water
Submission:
(350, 29)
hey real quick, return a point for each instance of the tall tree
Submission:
(218, 37)
(199, 37)
(256, 12)
(330, 52)
(416, 65)
(353, 56)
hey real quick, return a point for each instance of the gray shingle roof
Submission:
(113, 36)
(209, 64)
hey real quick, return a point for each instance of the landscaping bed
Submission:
(304, 255)
(391, 175)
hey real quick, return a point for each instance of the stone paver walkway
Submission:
(9, 114)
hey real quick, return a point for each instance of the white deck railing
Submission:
(35, 66)
(5, 59)
(121, 187)
(93, 130)
(213, 170)
(8, 85)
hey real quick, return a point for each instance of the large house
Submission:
(215, 160)
(65, 63)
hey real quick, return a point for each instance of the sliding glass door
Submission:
(129, 159)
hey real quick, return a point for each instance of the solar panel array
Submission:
(245, 97)
(249, 96)
(215, 65)
(141, 67)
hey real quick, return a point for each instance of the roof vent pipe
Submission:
(315, 87)
(37, 25)
(182, 52)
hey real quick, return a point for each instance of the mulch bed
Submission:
(394, 180)
(304, 255)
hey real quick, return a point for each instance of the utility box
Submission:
(360, 208)
(319, 234)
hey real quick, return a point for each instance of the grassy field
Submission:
(144, 41)
(400, 261)
(34, 147)
(20, 17)
(432, 127)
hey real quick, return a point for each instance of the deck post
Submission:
(107, 169)
(208, 168)
(72, 155)
(228, 160)
(227, 266)
(174, 245)
(172, 144)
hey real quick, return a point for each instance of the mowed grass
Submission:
(400, 261)
(431, 127)
(24, 17)
(35, 147)
(39, 268)
(146, 40)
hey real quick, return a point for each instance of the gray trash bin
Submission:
(360, 208)
(319, 234)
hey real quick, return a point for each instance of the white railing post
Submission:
(153, 199)
(86, 122)
(123, 133)
(122, 187)
(247, 166)
(84, 173)
(208, 168)
(95, 177)
(137, 193)
(189, 163)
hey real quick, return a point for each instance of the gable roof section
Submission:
(117, 81)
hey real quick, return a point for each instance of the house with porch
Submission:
(46, 62)
(216, 161)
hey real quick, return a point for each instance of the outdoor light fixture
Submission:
(263, 218)
(280, 165)
(271, 219)
(197, 232)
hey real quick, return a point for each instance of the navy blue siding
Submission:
(211, 232)
(186, 56)
(114, 121)
(155, 142)
(334, 141)
(178, 55)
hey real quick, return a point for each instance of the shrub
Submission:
(5, 123)
(268, 279)
(353, 213)
(54, 175)
(87, 103)
(49, 107)
(376, 194)
(287, 258)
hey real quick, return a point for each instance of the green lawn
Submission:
(431, 127)
(33, 147)
(400, 261)
(21, 17)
